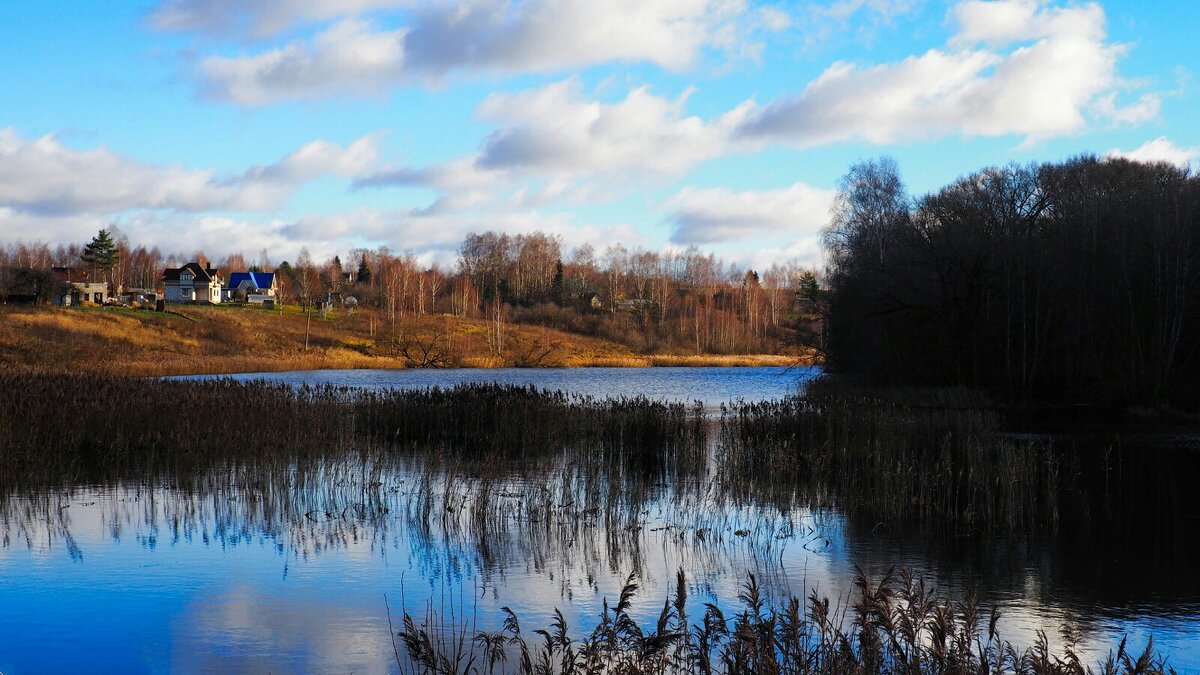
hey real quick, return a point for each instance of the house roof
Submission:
(198, 273)
(68, 274)
(256, 279)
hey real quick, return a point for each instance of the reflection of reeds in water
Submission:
(933, 458)
(929, 457)
(500, 474)
(894, 624)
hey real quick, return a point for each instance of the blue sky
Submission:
(242, 125)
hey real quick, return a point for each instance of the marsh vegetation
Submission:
(491, 478)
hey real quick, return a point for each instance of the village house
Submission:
(255, 288)
(79, 289)
(632, 304)
(192, 283)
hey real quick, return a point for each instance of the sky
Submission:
(252, 126)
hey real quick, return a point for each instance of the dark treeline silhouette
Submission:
(1072, 282)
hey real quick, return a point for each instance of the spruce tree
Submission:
(364, 272)
(101, 252)
(557, 290)
(808, 287)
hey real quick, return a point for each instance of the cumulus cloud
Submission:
(1013, 67)
(558, 130)
(349, 57)
(559, 136)
(720, 215)
(1161, 149)
(357, 56)
(42, 176)
(438, 235)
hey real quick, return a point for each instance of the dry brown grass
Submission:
(226, 339)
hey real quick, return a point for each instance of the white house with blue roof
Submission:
(252, 287)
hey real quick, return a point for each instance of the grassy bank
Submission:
(228, 339)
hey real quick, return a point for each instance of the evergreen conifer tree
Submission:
(557, 289)
(101, 252)
(364, 271)
(808, 287)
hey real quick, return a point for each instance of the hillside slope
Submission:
(226, 339)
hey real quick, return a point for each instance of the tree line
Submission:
(683, 301)
(1070, 282)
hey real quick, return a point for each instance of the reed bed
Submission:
(66, 429)
(905, 456)
(517, 421)
(60, 429)
(892, 624)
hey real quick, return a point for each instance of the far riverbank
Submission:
(216, 340)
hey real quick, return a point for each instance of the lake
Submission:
(252, 573)
(710, 386)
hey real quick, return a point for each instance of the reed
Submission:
(900, 455)
(66, 429)
(893, 624)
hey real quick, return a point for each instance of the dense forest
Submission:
(685, 302)
(1073, 283)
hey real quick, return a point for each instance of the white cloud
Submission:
(880, 9)
(556, 143)
(720, 215)
(1146, 109)
(1007, 21)
(774, 19)
(1013, 67)
(556, 130)
(435, 237)
(356, 56)
(320, 157)
(257, 18)
(349, 57)
(44, 177)
(1161, 149)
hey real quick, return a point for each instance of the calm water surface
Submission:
(711, 386)
(242, 574)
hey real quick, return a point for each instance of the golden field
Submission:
(228, 339)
